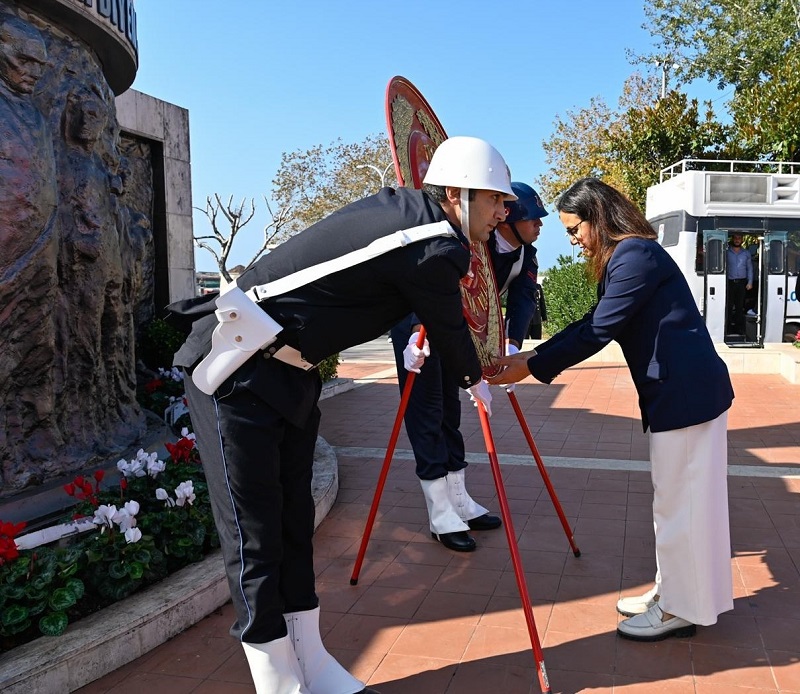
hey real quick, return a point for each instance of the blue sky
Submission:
(263, 77)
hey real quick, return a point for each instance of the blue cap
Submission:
(528, 204)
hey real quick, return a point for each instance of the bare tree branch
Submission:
(235, 217)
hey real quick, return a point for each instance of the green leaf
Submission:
(76, 586)
(16, 569)
(117, 570)
(62, 599)
(93, 556)
(38, 607)
(142, 555)
(198, 535)
(15, 593)
(13, 614)
(33, 594)
(42, 582)
(135, 570)
(53, 624)
(17, 628)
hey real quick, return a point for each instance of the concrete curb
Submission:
(121, 633)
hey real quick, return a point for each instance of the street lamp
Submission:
(380, 173)
(666, 64)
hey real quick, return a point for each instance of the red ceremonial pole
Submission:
(543, 472)
(387, 461)
(519, 572)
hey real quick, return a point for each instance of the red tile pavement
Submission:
(425, 620)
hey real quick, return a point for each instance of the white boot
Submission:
(274, 667)
(442, 514)
(322, 672)
(466, 507)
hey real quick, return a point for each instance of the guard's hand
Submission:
(413, 356)
(511, 349)
(516, 368)
(480, 393)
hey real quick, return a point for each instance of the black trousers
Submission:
(433, 415)
(737, 290)
(258, 468)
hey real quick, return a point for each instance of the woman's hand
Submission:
(516, 368)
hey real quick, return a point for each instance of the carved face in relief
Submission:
(86, 116)
(23, 56)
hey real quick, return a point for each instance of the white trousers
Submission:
(690, 516)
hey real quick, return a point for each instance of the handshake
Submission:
(414, 357)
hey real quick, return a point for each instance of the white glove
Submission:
(480, 393)
(413, 356)
(510, 349)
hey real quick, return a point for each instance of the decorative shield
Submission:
(414, 134)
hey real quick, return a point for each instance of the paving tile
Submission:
(426, 620)
(747, 667)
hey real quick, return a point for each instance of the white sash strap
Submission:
(515, 270)
(244, 328)
(378, 247)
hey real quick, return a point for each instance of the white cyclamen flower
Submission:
(155, 467)
(161, 495)
(186, 435)
(174, 374)
(133, 535)
(132, 507)
(125, 518)
(134, 468)
(104, 515)
(185, 493)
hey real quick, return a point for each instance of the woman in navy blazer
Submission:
(645, 304)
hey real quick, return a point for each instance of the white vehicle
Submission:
(699, 204)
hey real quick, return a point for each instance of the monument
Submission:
(94, 238)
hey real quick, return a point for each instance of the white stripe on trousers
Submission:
(690, 517)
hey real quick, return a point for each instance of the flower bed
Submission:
(155, 521)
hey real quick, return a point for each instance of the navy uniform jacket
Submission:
(521, 292)
(351, 306)
(645, 304)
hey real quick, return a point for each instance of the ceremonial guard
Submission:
(253, 389)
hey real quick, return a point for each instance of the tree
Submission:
(576, 149)
(732, 42)
(766, 116)
(320, 180)
(649, 137)
(569, 291)
(220, 242)
(628, 147)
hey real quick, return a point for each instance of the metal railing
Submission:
(729, 166)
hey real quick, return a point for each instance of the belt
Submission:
(288, 355)
(738, 279)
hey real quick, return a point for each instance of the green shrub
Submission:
(569, 293)
(158, 343)
(328, 368)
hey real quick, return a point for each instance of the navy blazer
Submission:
(645, 304)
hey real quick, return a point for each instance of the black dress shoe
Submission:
(459, 541)
(369, 690)
(484, 522)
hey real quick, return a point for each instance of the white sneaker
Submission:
(629, 607)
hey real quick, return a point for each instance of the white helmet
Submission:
(469, 162)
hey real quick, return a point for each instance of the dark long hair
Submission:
(611, 215)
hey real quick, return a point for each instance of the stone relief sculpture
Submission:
(76, 262)
(28, 279)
